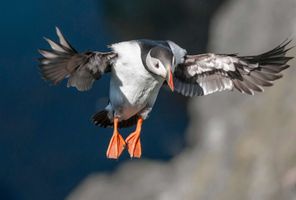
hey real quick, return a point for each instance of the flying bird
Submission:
(139, 68)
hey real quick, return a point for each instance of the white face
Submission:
(156, 66)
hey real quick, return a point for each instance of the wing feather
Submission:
(81, 69)
(211, 73)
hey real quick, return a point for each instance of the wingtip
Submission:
(286, 42)
(59, 32)
(57, 29)
(46, 39)
(40, 51)
(63, 40)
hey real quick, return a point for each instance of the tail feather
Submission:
(101, 119)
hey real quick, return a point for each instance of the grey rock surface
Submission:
(239, 147)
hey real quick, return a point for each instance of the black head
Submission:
(158, 58)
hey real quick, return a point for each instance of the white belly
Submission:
(132, 87)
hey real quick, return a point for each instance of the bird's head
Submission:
(160, 61)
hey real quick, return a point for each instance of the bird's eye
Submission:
(157, 65)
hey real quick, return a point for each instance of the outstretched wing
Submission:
(208, 73)
(81, 69)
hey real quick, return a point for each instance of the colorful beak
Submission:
(170, 80)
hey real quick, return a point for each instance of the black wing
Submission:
(208, 73)
(81, 69)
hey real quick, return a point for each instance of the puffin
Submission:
(139, 68)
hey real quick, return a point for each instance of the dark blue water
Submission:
(47, 142)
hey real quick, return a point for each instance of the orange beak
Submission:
(170, 80)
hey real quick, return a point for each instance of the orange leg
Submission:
(133, 141)
(117, 143)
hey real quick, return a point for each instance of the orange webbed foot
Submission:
(134, 145)
(133, 141)
(117, 143)
(116, 146)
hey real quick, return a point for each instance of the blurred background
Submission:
(228, 145)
